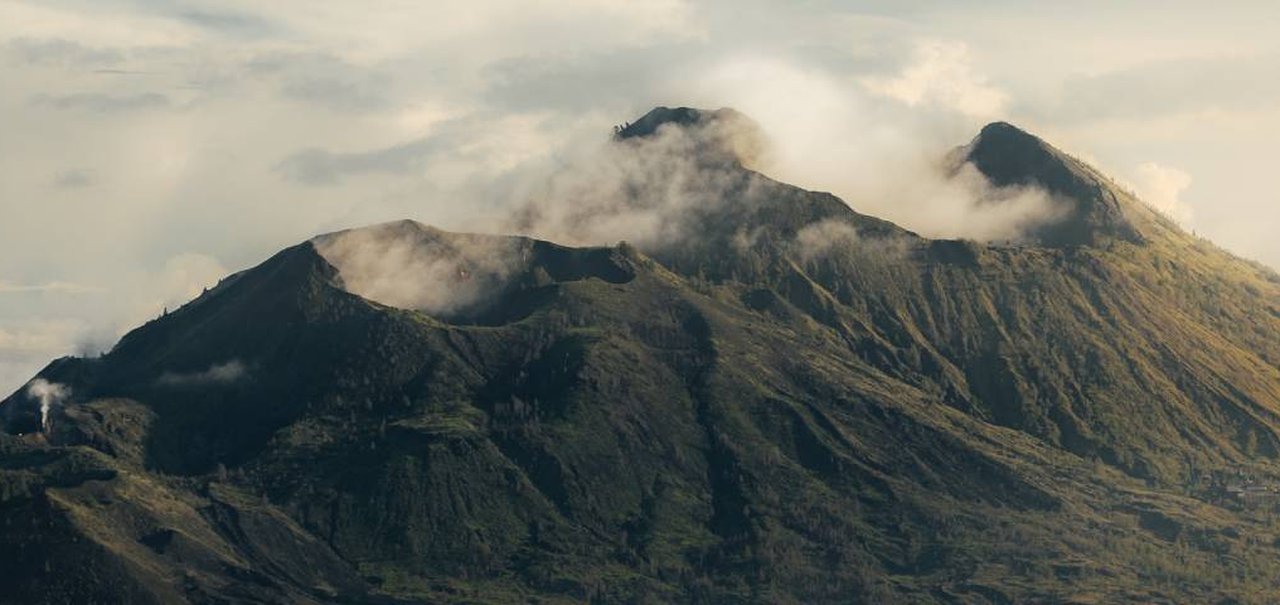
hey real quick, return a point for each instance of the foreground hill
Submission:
(800, 404)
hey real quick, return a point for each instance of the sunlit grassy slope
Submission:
(893, 419)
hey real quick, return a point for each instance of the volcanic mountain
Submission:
(801, 404)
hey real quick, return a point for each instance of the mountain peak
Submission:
(785, 401)
(1011, 157)
(715, 135)
(996, 131)
(683, 117)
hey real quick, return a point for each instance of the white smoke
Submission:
(49, 394)
(219, 373)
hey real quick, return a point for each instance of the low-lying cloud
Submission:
(644, 189)
(884, 145)
(650, 190)
(412, 266)
(227, 372)
(817, 239)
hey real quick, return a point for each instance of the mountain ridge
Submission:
(1008, 156)
(881, 417)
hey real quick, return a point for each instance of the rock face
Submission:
(801, 405)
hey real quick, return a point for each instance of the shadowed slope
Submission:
(801, 404)
(1099, 211)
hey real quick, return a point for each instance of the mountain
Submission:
(795, 403)
(1098, 209)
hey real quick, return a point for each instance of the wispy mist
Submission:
(643, 189)
(227, 372)
(650, 189)
(857, 140)
(413, 266)
(817, 239)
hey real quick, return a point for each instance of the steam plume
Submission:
(49, 394)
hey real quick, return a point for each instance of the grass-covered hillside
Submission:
(801, 404)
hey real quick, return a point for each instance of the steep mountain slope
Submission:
(1008, 156)
(802, 404)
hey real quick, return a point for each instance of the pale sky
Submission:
(149, 147)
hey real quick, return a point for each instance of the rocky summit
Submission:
(793, 403)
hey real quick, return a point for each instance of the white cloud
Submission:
(883, 159)
(1161, 187)
(183, 278)
(942, 74)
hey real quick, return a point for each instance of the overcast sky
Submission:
(148, 147)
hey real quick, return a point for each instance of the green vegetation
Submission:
(888, 419)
